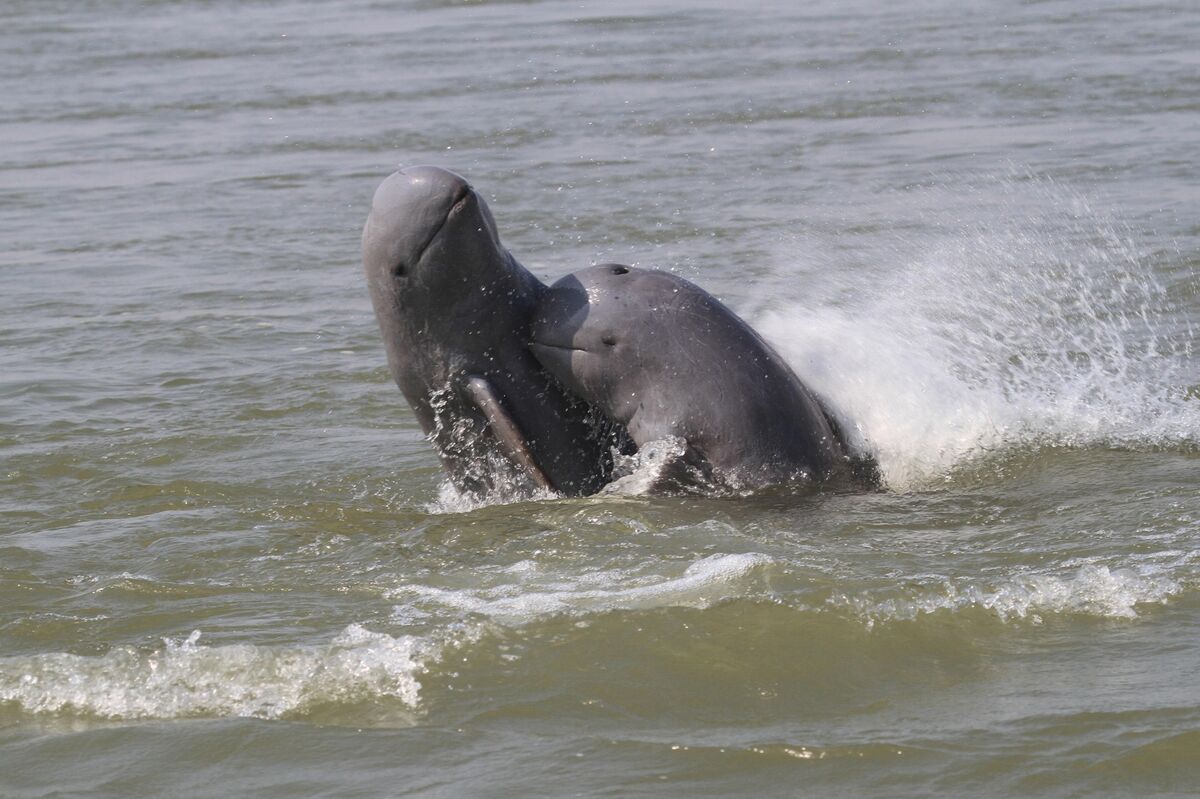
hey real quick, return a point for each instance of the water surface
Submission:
(229, 566)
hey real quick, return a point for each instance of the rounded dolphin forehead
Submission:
(445, 238)
(418, 184)
(403, 209)
(643, 291)
(410, 204)
(612, 298)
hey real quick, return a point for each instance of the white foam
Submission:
(1094, 590)
(451, 500)
(526, 592)
(643, 471)
(187, 679)
(1035, 327)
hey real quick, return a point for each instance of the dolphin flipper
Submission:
(512, 441)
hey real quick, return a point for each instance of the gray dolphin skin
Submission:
(666, 359)
(454, 308)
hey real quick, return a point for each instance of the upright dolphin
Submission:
(454, 308)
(666, 359)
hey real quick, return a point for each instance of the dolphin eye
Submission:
(608, 340)
(400, 269)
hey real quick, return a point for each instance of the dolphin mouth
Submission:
(458, 202)
(548, 346)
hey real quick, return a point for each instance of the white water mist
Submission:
(1035, 324)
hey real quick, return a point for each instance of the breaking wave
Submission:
(1093, 590)
(184, 679)
(524, 592)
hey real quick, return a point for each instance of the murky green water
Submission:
(228, 566)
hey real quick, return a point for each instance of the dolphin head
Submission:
(443, 287)
(600, 334)
(428, 231)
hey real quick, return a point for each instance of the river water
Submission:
(228, 562)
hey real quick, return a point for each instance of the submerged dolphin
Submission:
(666, 359)
(454, 308)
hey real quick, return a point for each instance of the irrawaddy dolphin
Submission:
(667, 360)
(454, 309)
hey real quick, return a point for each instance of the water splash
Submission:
(487, 477)
(185, 679)
(667, 466)
(451, 499)
(640, 472)
(1040, 325)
